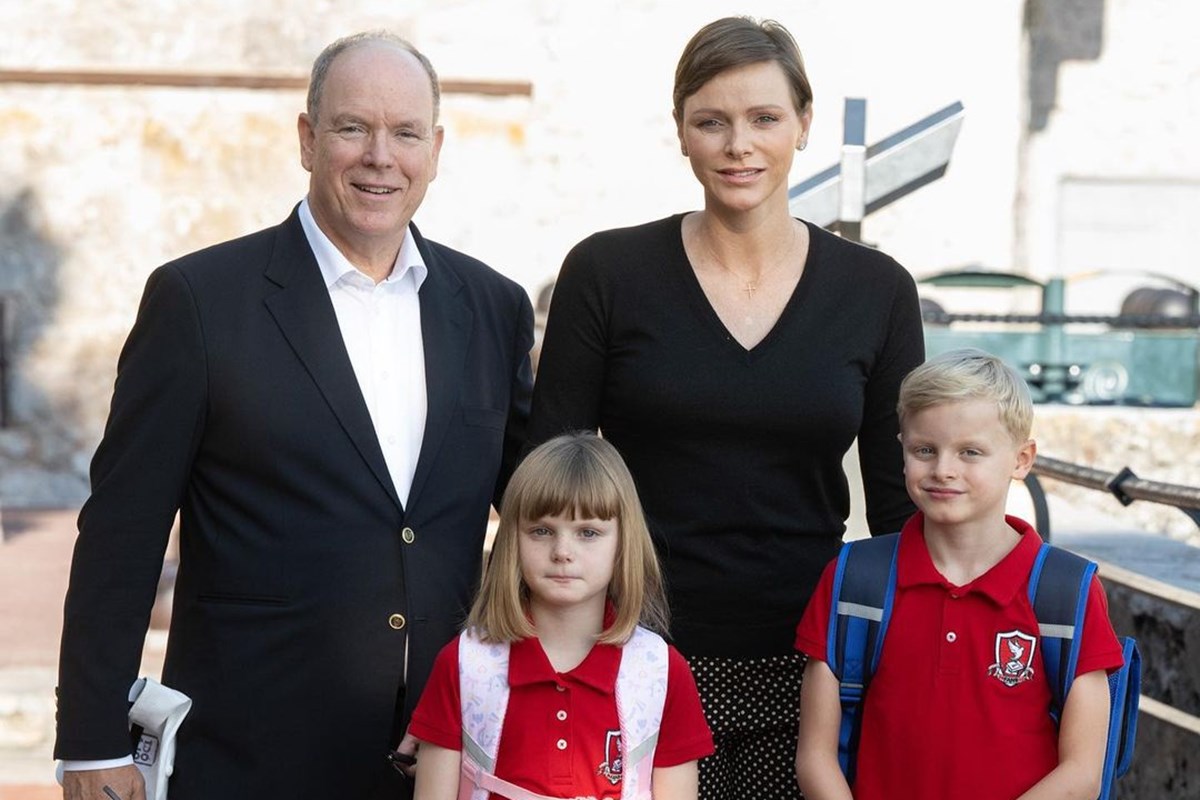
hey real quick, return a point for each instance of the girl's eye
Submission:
(539, 532)
(589, 533)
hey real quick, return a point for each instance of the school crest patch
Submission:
(614, 760)
(1014, 658)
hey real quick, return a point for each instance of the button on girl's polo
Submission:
(946, 716)
(561, 730)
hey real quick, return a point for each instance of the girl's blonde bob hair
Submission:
(580, 475)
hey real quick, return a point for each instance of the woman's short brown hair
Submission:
(733, 42)
(582, 475)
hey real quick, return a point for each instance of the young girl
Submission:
(555, 690)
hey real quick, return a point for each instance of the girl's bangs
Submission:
(579, 489)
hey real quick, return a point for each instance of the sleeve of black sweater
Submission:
(570, 378)
(879, 451)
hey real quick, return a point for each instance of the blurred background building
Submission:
(1078, 151)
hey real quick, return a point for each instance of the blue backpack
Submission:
(864, 586)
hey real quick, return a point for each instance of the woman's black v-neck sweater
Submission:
(737, 454)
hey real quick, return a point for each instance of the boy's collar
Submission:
(914, 566)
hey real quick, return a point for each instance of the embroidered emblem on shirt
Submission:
(1014, 658)
(614, 760)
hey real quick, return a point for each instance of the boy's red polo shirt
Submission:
(560, 729)
(938, 721)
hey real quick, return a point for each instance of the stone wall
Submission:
(1157, 444)
(100, 184)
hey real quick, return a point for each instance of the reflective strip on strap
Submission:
(639, 752)
(1057, 631)
(476, 753)
(856, 610)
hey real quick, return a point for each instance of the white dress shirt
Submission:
(381, 327)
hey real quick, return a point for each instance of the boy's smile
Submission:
(959, 460)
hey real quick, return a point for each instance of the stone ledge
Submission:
(1165, 620)
(1166, 758)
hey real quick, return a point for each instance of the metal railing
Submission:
(1123, 484)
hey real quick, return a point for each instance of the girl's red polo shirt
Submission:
(561, 729)
(944, 718)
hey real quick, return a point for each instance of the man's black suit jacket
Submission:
(236, 403)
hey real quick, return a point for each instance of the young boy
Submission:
(959, 704)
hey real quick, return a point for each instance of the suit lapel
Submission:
(304, 313)
(446, 322)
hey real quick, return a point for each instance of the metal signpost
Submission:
(868, 178)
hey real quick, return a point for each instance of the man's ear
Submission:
(308, 140)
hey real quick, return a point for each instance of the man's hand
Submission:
(408, 746)
(88, 784)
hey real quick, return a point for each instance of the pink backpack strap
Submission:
(488, 782)
(641, 695)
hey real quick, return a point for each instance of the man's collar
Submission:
(914, 566)
(334, 265)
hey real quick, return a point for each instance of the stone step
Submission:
(27, 725)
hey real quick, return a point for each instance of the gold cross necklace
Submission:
(749, 286)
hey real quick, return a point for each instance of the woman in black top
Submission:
(733, 355)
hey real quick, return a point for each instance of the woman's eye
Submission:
(767, 119)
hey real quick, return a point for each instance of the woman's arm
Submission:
(680, 782)
(881, 461)
(438, 773)
(817, 768)
(1082, 736)
(571, 367)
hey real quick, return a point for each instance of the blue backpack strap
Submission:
(864, 586)
(1124, 689)
(1058, 590)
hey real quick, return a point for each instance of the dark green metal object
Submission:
(1129, 359)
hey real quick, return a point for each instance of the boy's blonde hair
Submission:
(582, 475)
(969, 374)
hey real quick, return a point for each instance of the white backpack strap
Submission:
(483, 695)
(641, 694)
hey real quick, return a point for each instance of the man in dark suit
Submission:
(331, 405)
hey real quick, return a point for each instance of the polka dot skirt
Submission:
(752, 708)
